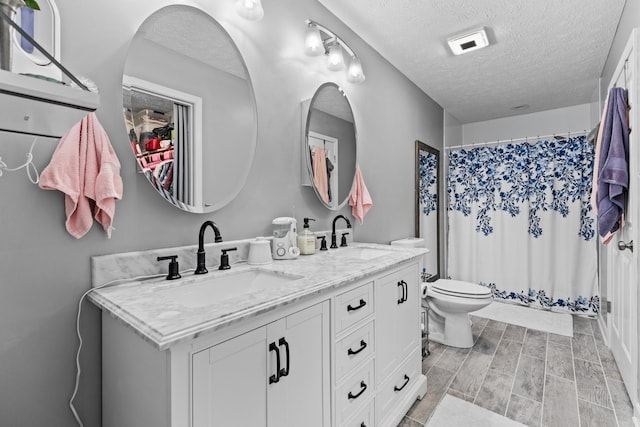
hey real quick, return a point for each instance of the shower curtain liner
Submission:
(520, 222)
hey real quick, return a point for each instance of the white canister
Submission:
(259, 252)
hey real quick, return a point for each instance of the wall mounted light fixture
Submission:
(321, 41)
(250, 9)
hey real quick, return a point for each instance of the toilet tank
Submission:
(412, 242)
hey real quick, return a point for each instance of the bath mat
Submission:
(452, 411)
(532, 318)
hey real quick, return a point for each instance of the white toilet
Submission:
(450, 302)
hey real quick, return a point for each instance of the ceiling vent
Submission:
(468, 42)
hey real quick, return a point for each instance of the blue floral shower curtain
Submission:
(520, 222)
(428, 207)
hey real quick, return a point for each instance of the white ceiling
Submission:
(191, 32)
(544, 53)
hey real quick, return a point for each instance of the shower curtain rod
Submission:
(505, 141)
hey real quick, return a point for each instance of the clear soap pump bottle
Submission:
(307, 239)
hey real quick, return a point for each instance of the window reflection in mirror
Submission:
(330, 146)
(184, 53)
(161, 123)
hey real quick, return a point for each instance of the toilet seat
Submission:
(460, 289)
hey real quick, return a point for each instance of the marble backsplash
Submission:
(130, 265)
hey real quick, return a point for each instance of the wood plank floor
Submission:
(533, 377)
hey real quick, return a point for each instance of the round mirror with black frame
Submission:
(330, 146)
(427, 205)
(189, 108)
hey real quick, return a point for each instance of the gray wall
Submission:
(543, 123)
(45, 270)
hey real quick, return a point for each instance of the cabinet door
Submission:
(301, 396)
(276, 375)
(397, 321)
(408, 319)
(229, 382)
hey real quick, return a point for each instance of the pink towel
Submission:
(85, 168)
(320, 173)
(360, 200)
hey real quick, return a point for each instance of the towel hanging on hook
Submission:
(28, 165)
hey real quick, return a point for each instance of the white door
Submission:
(622, 269)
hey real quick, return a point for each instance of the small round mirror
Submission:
(189, 109)
(330, 145)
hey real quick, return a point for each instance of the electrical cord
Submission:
(31, 169)
(78, 369)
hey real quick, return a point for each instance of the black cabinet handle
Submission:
(406, 381)
(285, 371)
(403, 285)
(358, 307)
(406, 290)
(363, 387)
(362, 424)
(275, 377)
(363, 345)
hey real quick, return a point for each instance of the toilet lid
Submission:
(460, 289)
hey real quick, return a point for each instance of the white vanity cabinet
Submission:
(349, 355)
(275, 375)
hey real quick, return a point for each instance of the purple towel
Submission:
(613, 173)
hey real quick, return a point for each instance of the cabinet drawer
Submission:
(353, 350)
(365, 417)
(352, 394)
(353, 306)
(395, 388)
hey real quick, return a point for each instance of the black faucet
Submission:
(334, 245)
(201, 269)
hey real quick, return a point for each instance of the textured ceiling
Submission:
(546, 54)
(193, 33)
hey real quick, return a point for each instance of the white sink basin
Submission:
(362, 253)
(222, 286)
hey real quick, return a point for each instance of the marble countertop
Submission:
(151, 309)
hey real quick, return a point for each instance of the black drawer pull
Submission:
(285, 371)
(406, 381)
(275, 377)
(362, 304)
(363, 386)
(363, 345)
